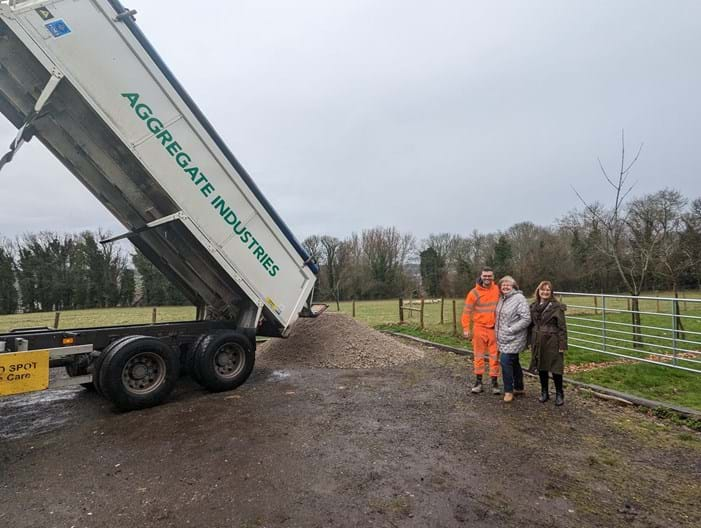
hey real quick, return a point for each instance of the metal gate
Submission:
(667, 331)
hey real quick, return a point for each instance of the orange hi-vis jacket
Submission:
(480, 306)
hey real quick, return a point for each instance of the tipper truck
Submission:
(81, 77)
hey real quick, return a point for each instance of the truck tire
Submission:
(223, 361)
(191, 358)
(137, 372)
(99, 357)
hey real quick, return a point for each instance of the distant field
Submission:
(97, 317)
(381, 312)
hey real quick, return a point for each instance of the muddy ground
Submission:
(304, 446)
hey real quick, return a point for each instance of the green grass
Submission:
(98, 317)
(649, 381)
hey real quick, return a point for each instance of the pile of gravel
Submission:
(335, 340)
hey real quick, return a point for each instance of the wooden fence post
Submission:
(57, 317)
(154, 315)
(401, 312)
(442, 303)
(596, 305)
(354, 308)
(455, 320)
(422, 313)
(628, 303)
(657, 300)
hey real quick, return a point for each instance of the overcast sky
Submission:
(430, 116)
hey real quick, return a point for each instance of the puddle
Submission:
(278, 375)
(37, 412)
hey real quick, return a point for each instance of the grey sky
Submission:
(441, 116)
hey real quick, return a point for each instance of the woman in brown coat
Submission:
(548, 340)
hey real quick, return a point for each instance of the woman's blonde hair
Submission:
(544, 283)
(510, 279)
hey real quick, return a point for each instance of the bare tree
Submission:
(625, 238)
(442, 244)
(691, 239)
(677, 253)
(332, 251)
(313, 246)
(674, 254)
(386, 251)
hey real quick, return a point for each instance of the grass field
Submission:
(650, 381)
(97, 317)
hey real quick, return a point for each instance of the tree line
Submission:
(652, 242)
(51, 271)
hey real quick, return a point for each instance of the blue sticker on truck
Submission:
(58, 28)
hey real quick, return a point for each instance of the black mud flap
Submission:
(312, 310)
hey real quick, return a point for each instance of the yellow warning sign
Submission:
(24, 372)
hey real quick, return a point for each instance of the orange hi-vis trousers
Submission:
(484, 345)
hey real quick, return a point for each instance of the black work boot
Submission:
(544, 396)
(495, 385)
(477, 387)
(559, 398)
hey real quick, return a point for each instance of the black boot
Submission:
(559, 398)
(544, 396)
(559, 392)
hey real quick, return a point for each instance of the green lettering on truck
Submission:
(201, 182)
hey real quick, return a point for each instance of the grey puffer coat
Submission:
(513, 318)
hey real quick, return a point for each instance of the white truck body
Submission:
(152, 157)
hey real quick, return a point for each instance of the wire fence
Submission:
(659, 330)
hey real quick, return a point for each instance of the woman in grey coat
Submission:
(513, 318)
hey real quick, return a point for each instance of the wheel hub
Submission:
(228, 361)
(144, 373)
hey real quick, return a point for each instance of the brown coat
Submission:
(547, 336)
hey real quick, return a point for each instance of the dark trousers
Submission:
(511, 372)
(557, 378)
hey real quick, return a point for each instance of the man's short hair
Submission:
(486, 268)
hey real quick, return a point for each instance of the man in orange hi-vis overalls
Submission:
(480, 312)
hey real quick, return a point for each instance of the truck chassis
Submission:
(137, 366)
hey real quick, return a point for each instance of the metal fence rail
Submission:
(667, 332)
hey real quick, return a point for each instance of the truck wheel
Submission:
(138, 372)
(224, 361)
